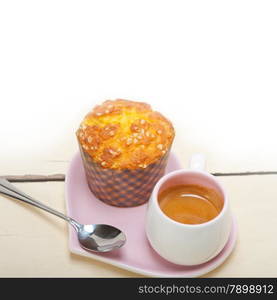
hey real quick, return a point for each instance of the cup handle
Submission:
(197, 162)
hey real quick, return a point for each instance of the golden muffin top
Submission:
(123, 134)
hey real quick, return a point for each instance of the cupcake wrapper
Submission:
(123, 188)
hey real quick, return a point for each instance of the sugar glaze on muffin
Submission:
(123, 134)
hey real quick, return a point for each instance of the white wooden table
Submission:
(209, 68)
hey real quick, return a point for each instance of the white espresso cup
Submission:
(188, 244)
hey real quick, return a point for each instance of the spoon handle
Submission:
(10, 190)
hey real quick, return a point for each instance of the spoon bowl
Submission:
(100, 237)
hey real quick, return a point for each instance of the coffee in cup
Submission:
(190, 203)
(188, 220)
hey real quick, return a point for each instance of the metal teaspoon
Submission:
(94, 237)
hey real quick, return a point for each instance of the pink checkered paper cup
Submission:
(122, 188)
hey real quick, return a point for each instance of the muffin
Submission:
(124, 146)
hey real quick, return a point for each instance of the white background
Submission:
(209, 66)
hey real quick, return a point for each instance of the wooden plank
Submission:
(43, 238)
